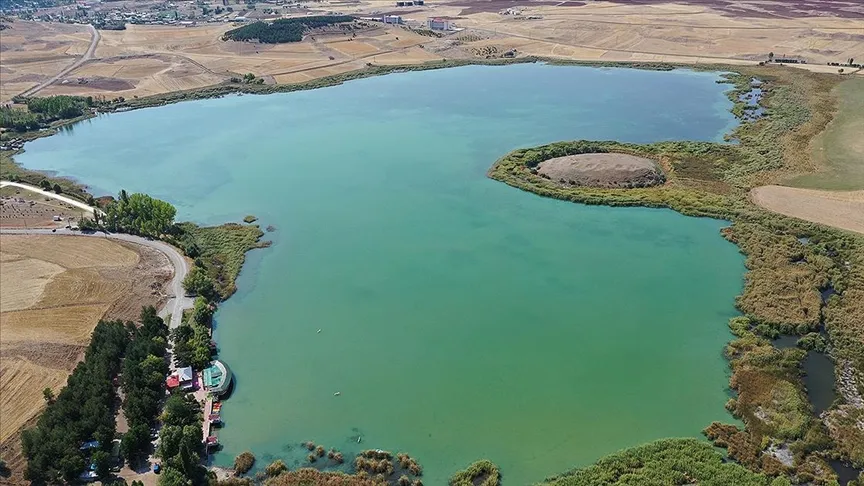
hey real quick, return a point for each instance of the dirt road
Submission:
(95, 37)
(59, 197)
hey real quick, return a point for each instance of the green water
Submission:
(460, 318)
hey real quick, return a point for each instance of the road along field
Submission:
(21, 208)
(153, 59)
(53, 291)
(33, 52)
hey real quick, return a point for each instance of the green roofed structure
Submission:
(217, 378)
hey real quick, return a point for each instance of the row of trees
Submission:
(81, 412)
(180, 445)
(283, 30)
(144, 372)
(18, 119)
(191, 340)
(41, 111)
(139, 214)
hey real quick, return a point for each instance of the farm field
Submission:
(20, 208)
(839, 151)
(832, 194)
(153, 59)
(32, 52)
(840, 209)
(54, 291)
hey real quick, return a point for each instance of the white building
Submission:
(392, 19)
(439, 24)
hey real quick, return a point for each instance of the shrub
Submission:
(243, 463)
(276, 468)
(480, 473)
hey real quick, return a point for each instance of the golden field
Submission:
(53, 291)
(151, 59)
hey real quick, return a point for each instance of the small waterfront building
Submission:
(438, 23)
(217, 378)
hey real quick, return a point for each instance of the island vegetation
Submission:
(788, 261)
(663, 463)
(480, 473)
(283, 30)
(243, 462)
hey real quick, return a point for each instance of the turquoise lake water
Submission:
(460, 318)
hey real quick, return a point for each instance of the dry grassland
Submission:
(20, 208)
(844, 210)
(53, 291)
(32, 52)
(148, 59)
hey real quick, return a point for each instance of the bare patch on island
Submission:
(608, 170)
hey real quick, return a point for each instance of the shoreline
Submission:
(714, 180)
(727, 206)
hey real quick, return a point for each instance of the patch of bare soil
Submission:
(148, 284)
(101, 83)
(771, 8)
(603, 170)
(23, 209)
(840, 209)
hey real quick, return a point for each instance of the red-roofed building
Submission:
(172, 382)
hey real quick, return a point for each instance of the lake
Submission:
(460, 318)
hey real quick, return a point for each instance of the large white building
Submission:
(436, 23)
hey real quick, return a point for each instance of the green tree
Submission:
(202, 312)
(48, 395)
(180, 410)
(135, 442)
(102, 461)
(57, 189)
(173, 477)
(199, 283)
(139, 214)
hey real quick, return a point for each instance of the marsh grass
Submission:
(222, 250)
(784, 276)
(480, 473)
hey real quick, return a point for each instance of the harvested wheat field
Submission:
(20, 208)
(840, 209)
(53, 291)
(33, 52)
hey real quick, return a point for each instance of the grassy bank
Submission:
(788, 263)
(840, 148)
(219, 250)
(377, 70)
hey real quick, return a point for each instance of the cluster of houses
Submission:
(208, 386)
